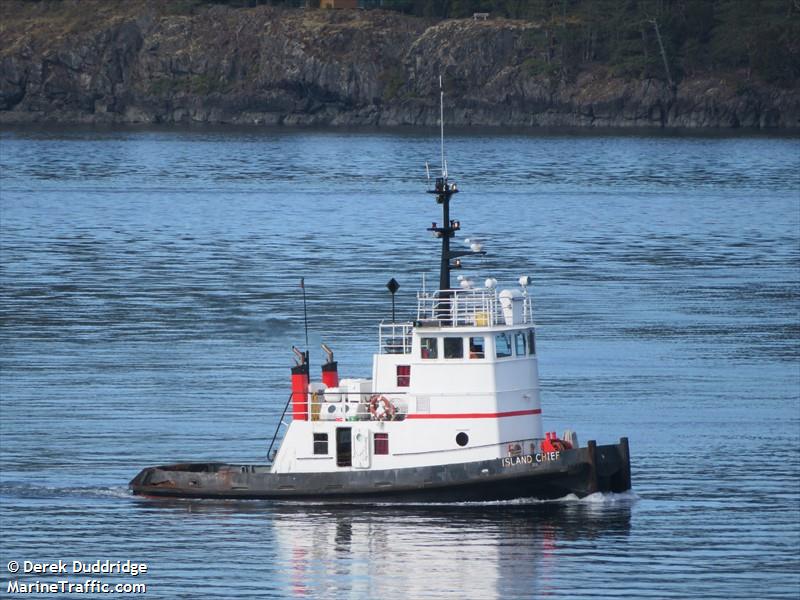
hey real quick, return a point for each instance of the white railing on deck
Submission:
(479, 307)
(395, 338)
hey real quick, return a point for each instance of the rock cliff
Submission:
(153, 62)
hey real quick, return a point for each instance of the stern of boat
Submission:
(609, 467)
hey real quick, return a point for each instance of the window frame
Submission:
(459, 350)
(323, 440)
(404, 378)
(520, 335)
(433, 352)
(380, 443)
(510, 346)
(477, 355)
(532, 342)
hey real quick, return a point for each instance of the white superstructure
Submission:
(459, 384)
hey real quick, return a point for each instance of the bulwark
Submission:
(529, 459)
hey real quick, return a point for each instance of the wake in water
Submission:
(598, 498)
(26, 490)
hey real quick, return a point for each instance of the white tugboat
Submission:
(452, 413)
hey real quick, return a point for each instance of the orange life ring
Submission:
(388, 408)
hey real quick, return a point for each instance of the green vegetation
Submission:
(759, 36)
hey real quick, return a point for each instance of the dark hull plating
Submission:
(582, 471)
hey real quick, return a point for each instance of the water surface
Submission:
(149, 298)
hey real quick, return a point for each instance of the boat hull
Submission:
(580, 471)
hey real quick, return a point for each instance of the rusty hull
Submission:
(581, 471)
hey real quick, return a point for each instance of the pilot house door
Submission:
(344, 447)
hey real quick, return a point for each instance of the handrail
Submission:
(471, 306)
(278, 427)
(308, 412)
(367, 394)
(394, 338)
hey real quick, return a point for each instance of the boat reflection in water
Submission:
(487, 550)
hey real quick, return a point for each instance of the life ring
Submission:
(558, 445)
(388, 408)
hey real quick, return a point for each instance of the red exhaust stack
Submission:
(330, 372)
(300, 387)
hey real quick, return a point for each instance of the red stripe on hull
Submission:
(513, 413)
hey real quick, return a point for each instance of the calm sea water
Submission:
(150, 298)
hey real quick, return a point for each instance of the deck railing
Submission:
(453, 308)
(481, 307)
(395, 338)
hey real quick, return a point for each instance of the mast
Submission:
(443, 191)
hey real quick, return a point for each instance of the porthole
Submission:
(462, 439)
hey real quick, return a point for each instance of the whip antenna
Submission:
(441, 125)
(305, 311)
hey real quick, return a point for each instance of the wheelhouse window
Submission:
(531, 342)
(519, 343)
(321, 443)
(477, 347)
(502, 345)
(453, 347)
(403, 375)
(381, 443)
(429, 348)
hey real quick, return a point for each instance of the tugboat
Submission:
(451, 413)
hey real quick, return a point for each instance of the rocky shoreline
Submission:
(95, 63)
